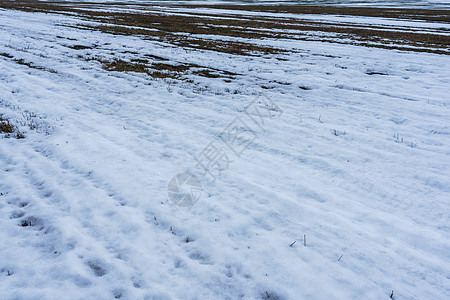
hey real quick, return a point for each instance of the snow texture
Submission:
(358, 162)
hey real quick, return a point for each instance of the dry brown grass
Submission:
(124, 66)
(9, 130)
(160, 70)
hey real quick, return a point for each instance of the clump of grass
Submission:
(206, 73)
(5, 125)
(162, 70)
(159, 69)
(29, 64)
(8, 129)
(159, 74)
(25, 63)
(170, 68)
(124, 66)
(6, 55)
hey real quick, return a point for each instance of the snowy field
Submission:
(347, 3)
(353, 153)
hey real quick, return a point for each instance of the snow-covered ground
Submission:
(356, 158)
(347, 3)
